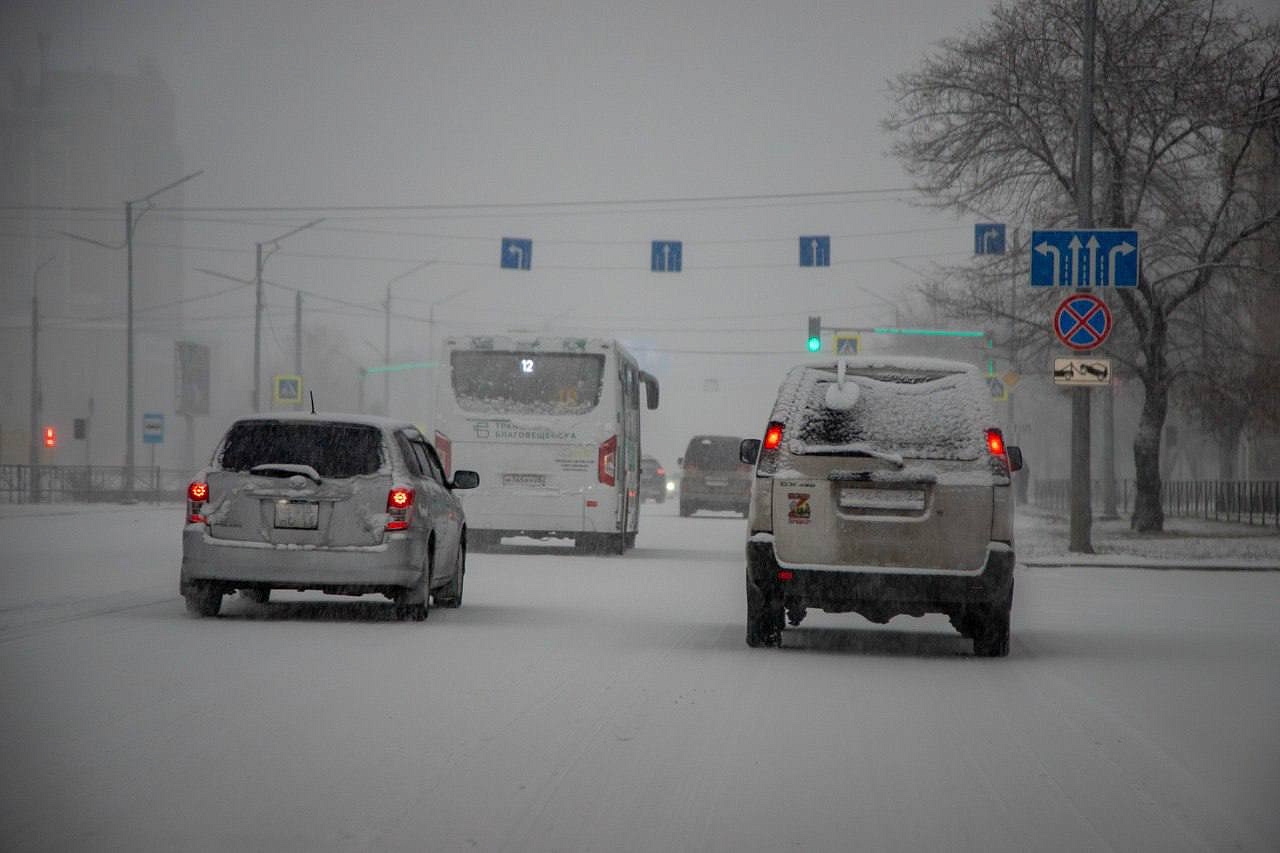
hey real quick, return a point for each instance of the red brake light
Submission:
(606, 461)
(661, 472)
(995, 442)
(399, 504)
(197, 494)
(773, 437)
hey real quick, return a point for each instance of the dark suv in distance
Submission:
(713, 477)
(653, 480)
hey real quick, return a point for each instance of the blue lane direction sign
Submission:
(1084, 258)
(665, 255)
(517, 253)
(153, 428)
(815, 250)
(988, 238)
(1082, 321)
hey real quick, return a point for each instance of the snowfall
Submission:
(611, 703)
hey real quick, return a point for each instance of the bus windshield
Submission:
(533, 383)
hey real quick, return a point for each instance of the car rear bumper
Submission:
(840, 588)
(397, 562)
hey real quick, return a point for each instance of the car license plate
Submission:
(297, 515)
(536, 480)
(882, 500)
(717, 484)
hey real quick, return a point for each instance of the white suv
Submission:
(882, 487)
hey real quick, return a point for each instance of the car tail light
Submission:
(773, 436)
(995, 442)
(197, 495)
(786, 575)
(770, 450)
(661, 472)
(399, 507)
(444, 448)
(606, 461)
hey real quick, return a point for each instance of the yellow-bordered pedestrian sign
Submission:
(287, 388)
(847, 344)
(999, 390)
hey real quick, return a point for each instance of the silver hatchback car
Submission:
(882, 487)
(345, 504)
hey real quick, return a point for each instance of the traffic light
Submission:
(815, 334)
(50, 437)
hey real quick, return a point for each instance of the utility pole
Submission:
(36, 400)
(129, 226)
(1081, 473)
(297, 333)
(260, 262)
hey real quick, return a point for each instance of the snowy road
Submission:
(580, 703)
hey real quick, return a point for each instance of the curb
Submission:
(1089, 561)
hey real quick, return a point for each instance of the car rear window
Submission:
(917, 415)
(335, 450)
(531, 382)
(713, 451)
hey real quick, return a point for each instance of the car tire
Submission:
(413, 604)
(686, 509)
(257, 596)
(203, 600)
(764, 620)
(631, 541)
(450, 596)
(990, 628)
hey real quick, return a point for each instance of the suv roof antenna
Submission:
(313, 402)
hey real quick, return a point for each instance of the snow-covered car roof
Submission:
(331, 417)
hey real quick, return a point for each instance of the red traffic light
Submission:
(50, 437)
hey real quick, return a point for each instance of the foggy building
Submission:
(76, 145)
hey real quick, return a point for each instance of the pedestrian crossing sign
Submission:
(847, 344)
(287, 389)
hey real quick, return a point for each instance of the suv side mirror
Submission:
(1015, 457)
(465, 480)
(749, 450)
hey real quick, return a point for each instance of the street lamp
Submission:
(386, 334)
(129, 224)
(259, 264)
(35, 379)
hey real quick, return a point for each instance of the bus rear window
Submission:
(541, 383)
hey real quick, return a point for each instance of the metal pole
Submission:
(297, 334)
(257, 329)
(128, 394)
(35, 391)
(1110, 511)
(386, 353)
(1081, 499)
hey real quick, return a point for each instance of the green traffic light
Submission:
(815, 344)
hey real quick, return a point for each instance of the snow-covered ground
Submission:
(603, 703)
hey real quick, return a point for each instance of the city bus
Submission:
(552, 425)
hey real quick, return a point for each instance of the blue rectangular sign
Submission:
(1084, 258)
(815, 250)
(988, 238)
(517, 253)
(664, 255)
(153, 428)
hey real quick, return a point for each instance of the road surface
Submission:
(610, 703)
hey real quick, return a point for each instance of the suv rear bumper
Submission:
(896, 592)
(397, 562)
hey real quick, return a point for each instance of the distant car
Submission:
(1064, 372)
(653, 480)
(1098, 371)
(712, 477)
(344, 504)
(882, 487)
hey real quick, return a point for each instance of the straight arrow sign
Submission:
(1101, 257)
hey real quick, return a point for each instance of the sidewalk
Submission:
(1041, 540)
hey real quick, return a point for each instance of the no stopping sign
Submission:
(1082, 321)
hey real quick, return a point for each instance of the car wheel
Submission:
(660, 497)
(686, 509)
(414, 604)
(990, 629)
(257, 596)
(764, 619)
(203, 600)
(631, 541)
(451, 596)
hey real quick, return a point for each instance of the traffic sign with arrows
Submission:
(1084, 258)
(517, 253)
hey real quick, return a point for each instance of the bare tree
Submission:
(1185, 94)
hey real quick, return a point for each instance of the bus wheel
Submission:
(631, 540)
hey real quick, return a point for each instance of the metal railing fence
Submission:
(88, 483)
(1244, 501)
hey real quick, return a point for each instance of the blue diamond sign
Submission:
(1084, 258)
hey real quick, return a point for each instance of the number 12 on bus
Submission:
(552, 425)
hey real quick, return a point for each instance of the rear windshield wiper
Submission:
(285, 469)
